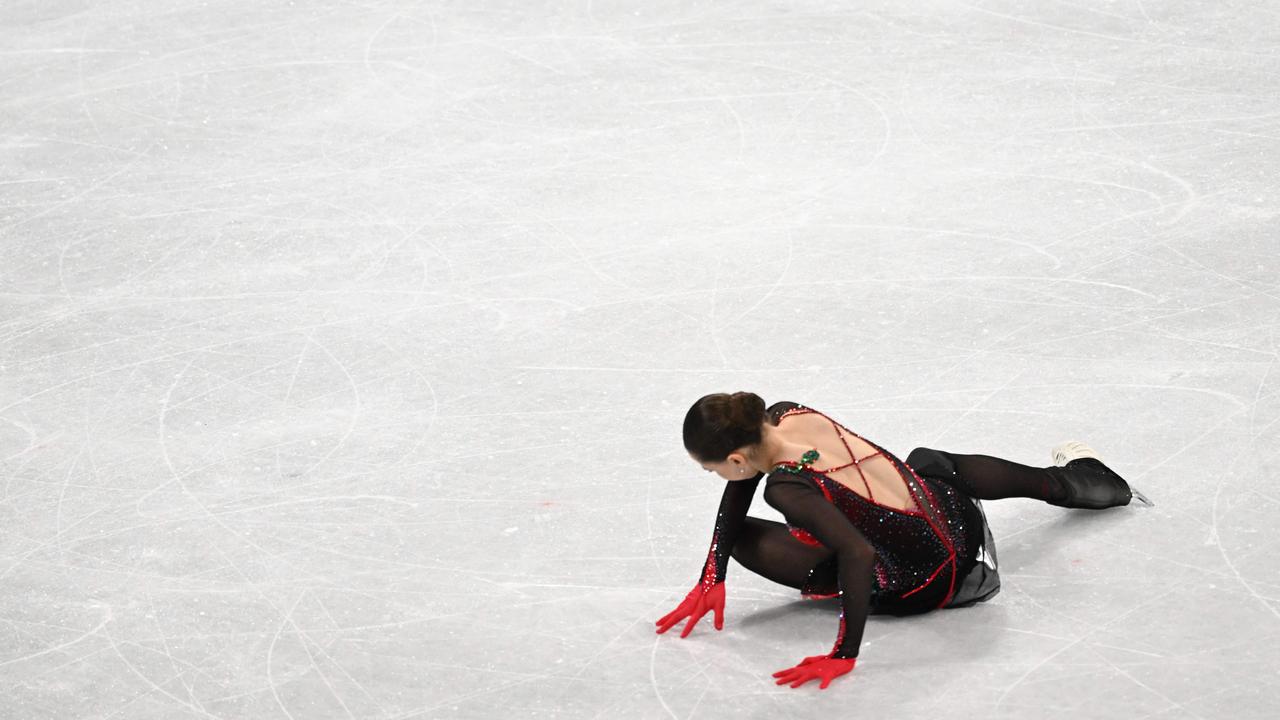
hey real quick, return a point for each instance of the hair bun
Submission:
(746, 410)
(719, 423)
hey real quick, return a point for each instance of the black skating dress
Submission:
(883, 559)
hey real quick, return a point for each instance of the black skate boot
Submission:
(1087, 482)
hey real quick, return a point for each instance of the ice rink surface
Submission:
(344, 347)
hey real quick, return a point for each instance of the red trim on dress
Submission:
(929, 581)
(804, 536)
(929, 501)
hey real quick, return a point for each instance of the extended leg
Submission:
(986, 477)
(767, 548)
(1082, 483)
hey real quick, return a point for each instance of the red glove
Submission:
(700, 599)
(816, 667)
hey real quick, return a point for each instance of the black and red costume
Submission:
(937, 552)
(837, 542)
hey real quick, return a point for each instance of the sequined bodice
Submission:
(915, 548)
(885, 558)
(910, 555)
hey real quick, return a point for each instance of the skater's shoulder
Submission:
(778, 409)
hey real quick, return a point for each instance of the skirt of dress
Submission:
(977, 569)
(978, 577)
(978, 572)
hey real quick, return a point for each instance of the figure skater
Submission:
(883, 535)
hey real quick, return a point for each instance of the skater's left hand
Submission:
(816, 667)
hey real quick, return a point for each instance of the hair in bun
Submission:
(720, 423)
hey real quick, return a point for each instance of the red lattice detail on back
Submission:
(926, 505)
(854, 462)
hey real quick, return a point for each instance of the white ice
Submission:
(344, 347)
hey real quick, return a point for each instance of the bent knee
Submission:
(934, 463)
(749, 537)
(921, 455)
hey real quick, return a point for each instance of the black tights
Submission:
(988, 478)
(768, 549)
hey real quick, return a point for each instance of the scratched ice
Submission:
(344, 347)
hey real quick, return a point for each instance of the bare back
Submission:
(847, 459)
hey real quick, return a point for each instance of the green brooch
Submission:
(807, 459)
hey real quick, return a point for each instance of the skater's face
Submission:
(732, 468)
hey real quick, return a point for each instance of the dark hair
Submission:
(720, 423)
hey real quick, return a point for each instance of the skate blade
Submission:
(1140, 497)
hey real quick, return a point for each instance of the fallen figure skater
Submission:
(883, 535)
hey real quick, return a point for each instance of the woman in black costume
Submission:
(886, 536)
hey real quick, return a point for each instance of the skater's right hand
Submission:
(701, 599)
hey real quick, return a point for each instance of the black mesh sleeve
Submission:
(729, 519)
(804, 505)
